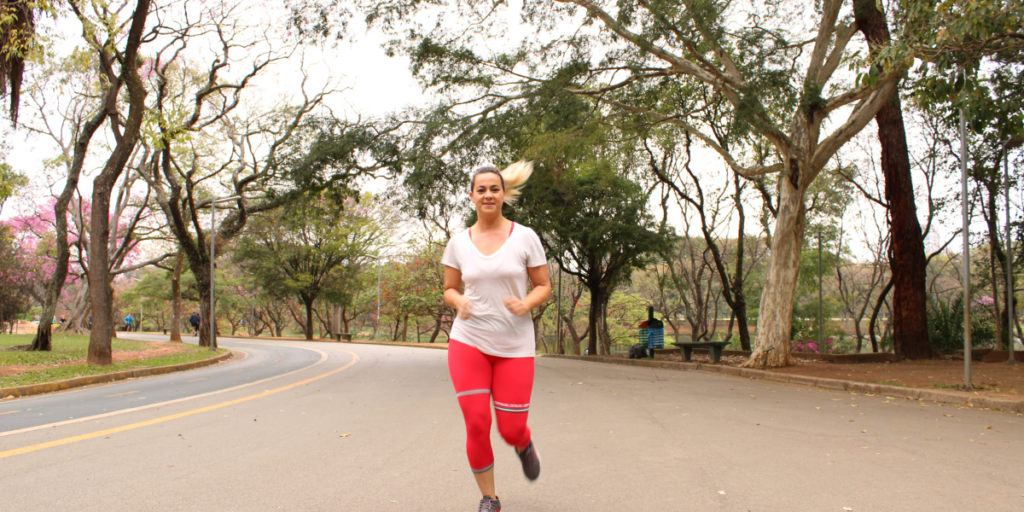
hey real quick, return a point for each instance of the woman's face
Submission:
(487, 193)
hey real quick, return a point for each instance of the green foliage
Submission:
(311, 249)
(946, 325)
(10, 182)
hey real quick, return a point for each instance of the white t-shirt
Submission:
(492, 328)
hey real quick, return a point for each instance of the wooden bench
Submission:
(714, 349)
(347, 336)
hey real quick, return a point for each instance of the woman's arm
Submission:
(453, 292)
(541, 292)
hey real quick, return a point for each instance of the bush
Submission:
(946, 323)
(946, 326)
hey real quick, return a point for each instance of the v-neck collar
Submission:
(469, 234)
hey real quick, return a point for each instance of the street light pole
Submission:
(1009, 255)
(821, 321)
(376, 330)
(966, 252)
(213, 265)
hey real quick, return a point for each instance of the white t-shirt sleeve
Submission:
(535, 256)
(450, 257)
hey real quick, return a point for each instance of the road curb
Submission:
(932, 395)
(76, 382)
(437, 346)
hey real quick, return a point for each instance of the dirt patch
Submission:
(997, 380)
(159, 349)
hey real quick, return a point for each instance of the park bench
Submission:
(714, 349)
(346, 335)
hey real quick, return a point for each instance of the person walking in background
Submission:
(128, 322)
(194, 322)
(491, 347)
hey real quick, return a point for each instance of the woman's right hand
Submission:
(464, 307)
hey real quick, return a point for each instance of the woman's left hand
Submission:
(516, 306)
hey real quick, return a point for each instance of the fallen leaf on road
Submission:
(847, 508)
(989, 427)
(837, 399)
(579, 383)
(721, 492)
(864, 431)
(817, 407)
(923, 405)
(854, 405)
(344, 435)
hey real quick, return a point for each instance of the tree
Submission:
(311, 249)
(595, 224)
(910, 299)
(14, 297)
(208, 140)
(89, 115)
(639, 62)
(116, 53)
(690, 194)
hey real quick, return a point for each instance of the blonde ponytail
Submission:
(515, 177)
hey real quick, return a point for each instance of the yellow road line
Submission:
(154, 421)
(8, 412)
(196, 380)
(121, 394)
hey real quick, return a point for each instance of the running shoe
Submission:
(531, 461)
(489, 504)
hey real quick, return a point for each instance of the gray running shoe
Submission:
(489, 504)
(531, 461)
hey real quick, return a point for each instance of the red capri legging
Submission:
(477, 378)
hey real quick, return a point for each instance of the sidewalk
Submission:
(845, 377)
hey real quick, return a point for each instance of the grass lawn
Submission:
(67, 360)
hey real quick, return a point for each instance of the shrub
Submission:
(946, 326)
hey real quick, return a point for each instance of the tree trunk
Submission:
(775, 316)
(995, 291)
(176, 298)
(100, 290)
(309, 320)
(78, 318)
(205, 320)
(437, 330)
(909, 267)
(598, 297)
(99, 258)
(43, 338)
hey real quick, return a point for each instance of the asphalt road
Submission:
(378, 428)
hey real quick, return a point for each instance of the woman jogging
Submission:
(491, 347)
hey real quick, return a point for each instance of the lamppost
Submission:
(376, 328)
(1009, 254)
(966, 251)
(213, 265)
